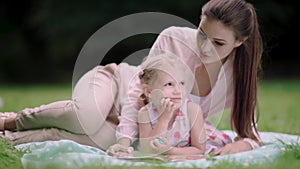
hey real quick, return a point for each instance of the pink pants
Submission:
(90, 118)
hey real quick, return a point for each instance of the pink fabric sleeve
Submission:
(129, 92)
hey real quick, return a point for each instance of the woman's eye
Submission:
(219, 43)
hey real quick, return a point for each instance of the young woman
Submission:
(224, 53)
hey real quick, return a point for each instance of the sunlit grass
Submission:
(279, 107)
(9, 156)
(18, 97)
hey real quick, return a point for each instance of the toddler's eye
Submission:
(168, 84)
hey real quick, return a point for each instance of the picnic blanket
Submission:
(69, 154)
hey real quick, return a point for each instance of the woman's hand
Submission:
(160, 145)
(118, 150)
(235, 147)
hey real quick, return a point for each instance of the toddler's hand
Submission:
(168, 108)
(160, 145)
(161, 102)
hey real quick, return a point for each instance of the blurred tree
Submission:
(40, 40)
(277, 21)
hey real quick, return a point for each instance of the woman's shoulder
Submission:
(126, 66)
(183, 39)
(178, 31)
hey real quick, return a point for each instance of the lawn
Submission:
(278, 109)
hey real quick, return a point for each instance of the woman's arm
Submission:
(122, 147)
(239, 145)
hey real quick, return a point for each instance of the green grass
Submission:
(9, 156)
(17, 98)
(278, 103)
(279, 107)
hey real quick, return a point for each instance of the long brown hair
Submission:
(241, 17)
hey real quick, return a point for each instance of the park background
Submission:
(40, 40)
